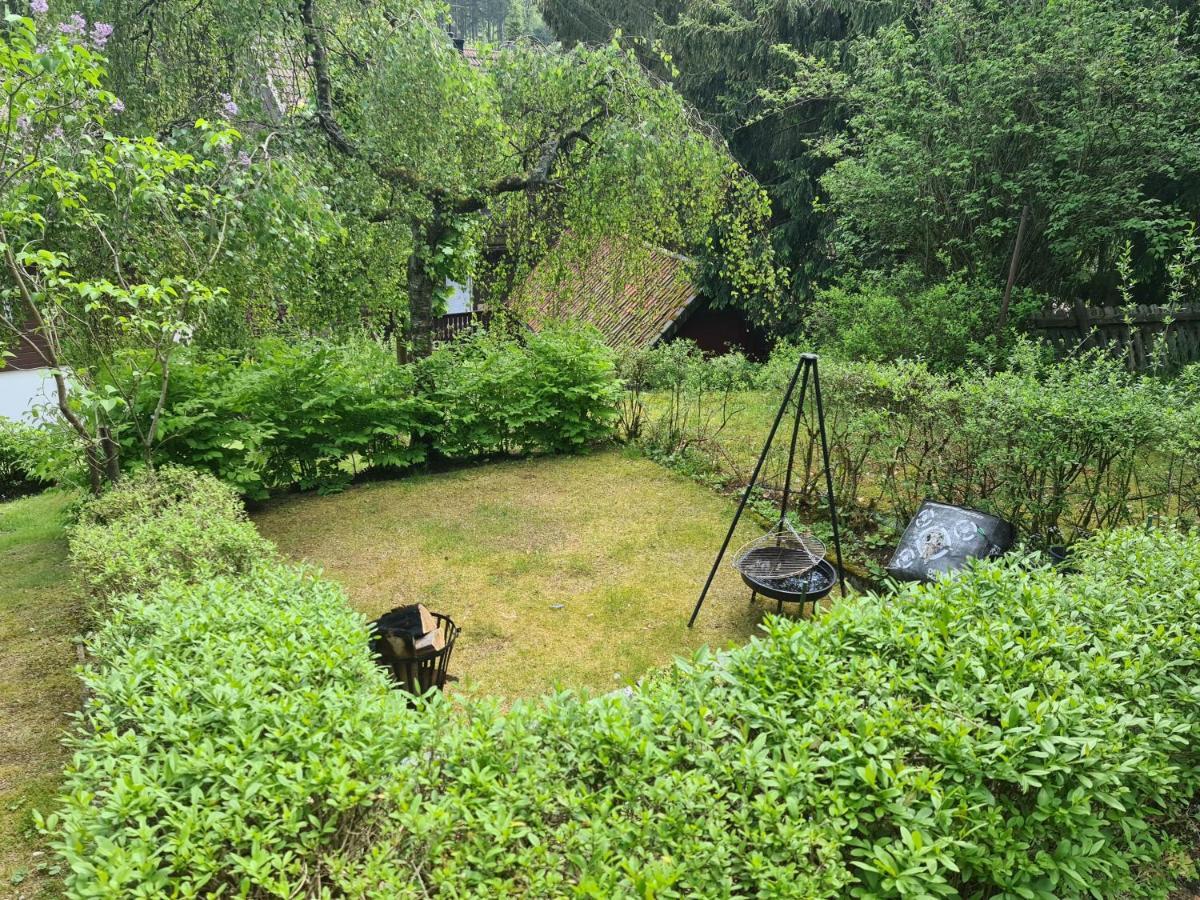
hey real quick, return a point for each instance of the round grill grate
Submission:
(780, 553)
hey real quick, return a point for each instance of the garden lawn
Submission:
(579, 571)
(39, 616)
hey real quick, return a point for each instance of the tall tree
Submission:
(583, 141)
(106, 239)
(1022, 142)
(740, 62)
(432, 148)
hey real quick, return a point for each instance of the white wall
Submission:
(459, 299)
(22, 389)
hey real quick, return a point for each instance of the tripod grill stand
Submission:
(806, 371)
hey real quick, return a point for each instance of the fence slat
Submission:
(1134, 335)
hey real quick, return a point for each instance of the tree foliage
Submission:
(442, 164)
(945, 118)
(109, 241)
(1083, 114)
(751, 67)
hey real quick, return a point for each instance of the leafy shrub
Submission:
(556, 392)
(283, 413)
(314, 413)
(21, 456)
(1061, 449)
(239, 736)
(882, 318)
(159, 525)
(1011, 732)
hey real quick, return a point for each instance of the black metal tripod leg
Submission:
(746, 494)
(833, 516)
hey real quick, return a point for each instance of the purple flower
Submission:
(41, 49)
(117, 106)
(230, 108)
(39, 7)
(57, 134)
(244, 159)
(23, 124)
(77, 26)
(101, 32)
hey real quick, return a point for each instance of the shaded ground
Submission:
(39, 616)
(619, 543)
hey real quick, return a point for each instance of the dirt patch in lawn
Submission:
(40, 614)
(572, 571)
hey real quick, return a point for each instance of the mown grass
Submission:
(572, 571)
(40, 615)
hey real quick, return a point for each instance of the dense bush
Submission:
(20, 458)
(1061, 449)
(312, 413)
(553, 391)
(882, 318)
(285, 413)
(1015, 732)
(169, 523)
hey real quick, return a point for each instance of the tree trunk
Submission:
(421, 288)
(112, 455)
(1013, 265)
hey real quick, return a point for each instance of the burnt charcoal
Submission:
(805, 584)
(806, 588)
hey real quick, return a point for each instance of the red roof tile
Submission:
(630, 301)
(26, 351)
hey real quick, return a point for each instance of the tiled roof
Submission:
(632, 302)
(27, 351)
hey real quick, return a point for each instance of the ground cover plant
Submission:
(1014, 732)
(41, 617)
(572, 571)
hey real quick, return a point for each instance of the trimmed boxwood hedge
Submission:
(1015, 732)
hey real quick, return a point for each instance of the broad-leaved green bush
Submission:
(553, 391)
(21, 459)
(885, 317)
(314, 413)
(285, 413)
(1013, 732)
(170, 523)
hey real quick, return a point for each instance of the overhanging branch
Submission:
(320, 65)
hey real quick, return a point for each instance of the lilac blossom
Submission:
(230, 108)
(76, 26)
(39, 7)
(57, 134)
(23, 124)
(244, 159)
(101, 32)
(117, 106)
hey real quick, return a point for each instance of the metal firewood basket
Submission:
(421, 672)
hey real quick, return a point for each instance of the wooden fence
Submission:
(1140, 335)
(446, 327)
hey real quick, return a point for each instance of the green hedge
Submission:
(171, 523)
(1063, 449)
(1012, 733)
(313, 413)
